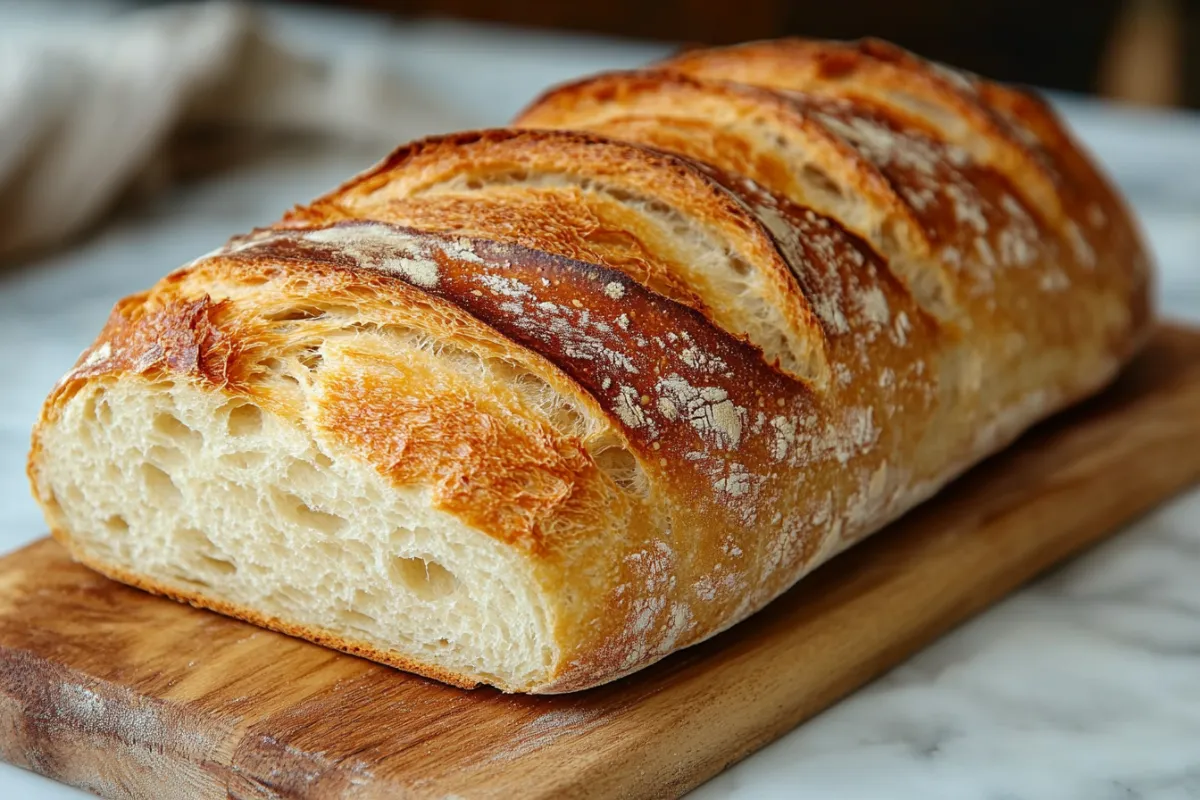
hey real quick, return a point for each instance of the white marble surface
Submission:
(1084, 686)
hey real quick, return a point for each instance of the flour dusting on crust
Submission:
(378, 246)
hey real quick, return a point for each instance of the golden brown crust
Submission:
(650, 177)
(1004, 128)
(987, 250)
(559, 222)
(955, 266)
(726, 124)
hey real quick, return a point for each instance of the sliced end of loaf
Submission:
(190, 492)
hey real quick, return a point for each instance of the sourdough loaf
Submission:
(535, 407)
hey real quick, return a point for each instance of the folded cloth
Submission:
(84, 114)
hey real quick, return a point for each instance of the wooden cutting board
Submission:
(130, 695)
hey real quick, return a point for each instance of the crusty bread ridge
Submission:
(535, 407)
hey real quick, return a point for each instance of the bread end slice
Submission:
(206, 497)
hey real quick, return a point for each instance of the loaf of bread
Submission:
(535, 407)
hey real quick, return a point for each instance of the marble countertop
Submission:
(1084, 685)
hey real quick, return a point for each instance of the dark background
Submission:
(1145, 51)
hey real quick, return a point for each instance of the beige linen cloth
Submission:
(87, 114)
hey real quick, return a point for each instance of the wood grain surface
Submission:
(130, 695)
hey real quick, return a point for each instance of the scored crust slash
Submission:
(537, 406)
